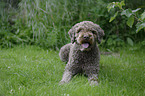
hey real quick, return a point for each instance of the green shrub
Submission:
(134, 17)
(46, 22)
(50, 22)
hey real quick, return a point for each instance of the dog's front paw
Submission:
(62, 82)
(94, 83)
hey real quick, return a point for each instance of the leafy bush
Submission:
(131, 16)
(9, 32)
(46, 22)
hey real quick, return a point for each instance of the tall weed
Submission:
(46, 22)
(49, 21)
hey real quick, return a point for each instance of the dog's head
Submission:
(86, 34)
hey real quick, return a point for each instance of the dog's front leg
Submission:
(93, 78)
(92, 75)
(66, 77)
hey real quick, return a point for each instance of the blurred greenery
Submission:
(131, 16)
(46, 22)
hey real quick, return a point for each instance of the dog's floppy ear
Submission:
(72, 35)
(100, 33)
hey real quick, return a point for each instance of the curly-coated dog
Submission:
(82, 54)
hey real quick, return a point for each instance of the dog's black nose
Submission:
(86, 37)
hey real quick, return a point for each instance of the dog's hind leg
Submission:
(64, 52)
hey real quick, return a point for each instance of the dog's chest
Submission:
(85, 57)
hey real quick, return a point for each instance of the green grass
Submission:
(32, 71)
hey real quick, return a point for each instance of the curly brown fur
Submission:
(64, 53)
(82, 54)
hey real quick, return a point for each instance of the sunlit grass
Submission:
(32, 71)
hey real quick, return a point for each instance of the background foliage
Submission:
(131, 16)
(46, 22)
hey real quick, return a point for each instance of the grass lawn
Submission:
(33, 71)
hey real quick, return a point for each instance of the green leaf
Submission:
(136, 10)
(115, 4)
(140, 26)
(143, 16)
(110, 6)
(112, 18)
(130, 41)
(130, 21)
(121, 4)
(127, 12)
